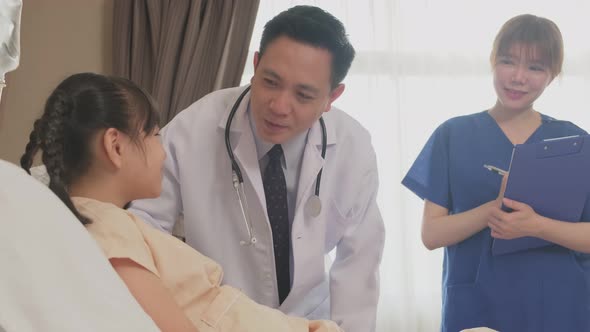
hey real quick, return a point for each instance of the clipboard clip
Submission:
(560, 146)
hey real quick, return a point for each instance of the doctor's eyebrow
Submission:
(272, 74)
(306, 87)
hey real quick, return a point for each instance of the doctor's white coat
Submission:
(198, 185)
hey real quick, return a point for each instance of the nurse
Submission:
(543, 289)
(277, 255)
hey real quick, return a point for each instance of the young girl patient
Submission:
(99, 142)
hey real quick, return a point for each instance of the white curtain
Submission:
(418, 63)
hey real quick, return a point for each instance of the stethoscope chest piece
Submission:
(313, 207)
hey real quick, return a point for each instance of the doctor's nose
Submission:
(280, 103)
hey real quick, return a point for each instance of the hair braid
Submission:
(26, 161)
(60, 110)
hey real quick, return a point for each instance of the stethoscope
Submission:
(313, 206)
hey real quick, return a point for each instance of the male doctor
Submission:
(277, 253)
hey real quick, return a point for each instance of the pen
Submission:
(495, 169)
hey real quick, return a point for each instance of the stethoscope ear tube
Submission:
(324, 145)
(313, 207)
(230, 119)
(237, 179)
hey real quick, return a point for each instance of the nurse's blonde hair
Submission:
(538, 35)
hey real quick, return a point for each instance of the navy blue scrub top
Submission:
(543, 289)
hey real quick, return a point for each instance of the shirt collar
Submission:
(292, 149)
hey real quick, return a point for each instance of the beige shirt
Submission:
(193, 279)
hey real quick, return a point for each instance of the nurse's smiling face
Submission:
(520, 77)
(291, 88)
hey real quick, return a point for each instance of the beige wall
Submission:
(58, 38)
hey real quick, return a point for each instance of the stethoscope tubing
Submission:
(237, 178)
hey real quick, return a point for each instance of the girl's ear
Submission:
(112, 142)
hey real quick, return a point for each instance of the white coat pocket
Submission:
(336, 223)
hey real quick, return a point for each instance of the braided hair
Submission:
(79, 107)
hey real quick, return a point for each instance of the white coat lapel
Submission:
(244, 147)
(247, 157)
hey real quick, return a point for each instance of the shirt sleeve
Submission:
(119, 237)
(355, 270)
(428, 177)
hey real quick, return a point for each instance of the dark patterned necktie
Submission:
(275, 190)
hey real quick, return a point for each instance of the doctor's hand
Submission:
(522, 221)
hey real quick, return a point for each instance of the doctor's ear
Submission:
(334, 94)
(113, 146)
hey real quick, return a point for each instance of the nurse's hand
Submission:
(522, 221)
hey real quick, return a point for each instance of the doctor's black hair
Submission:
(316, 27)
(80, 106)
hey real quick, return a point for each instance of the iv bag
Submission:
(10, 12)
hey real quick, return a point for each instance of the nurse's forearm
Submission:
(439, 229)
(574, 236)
